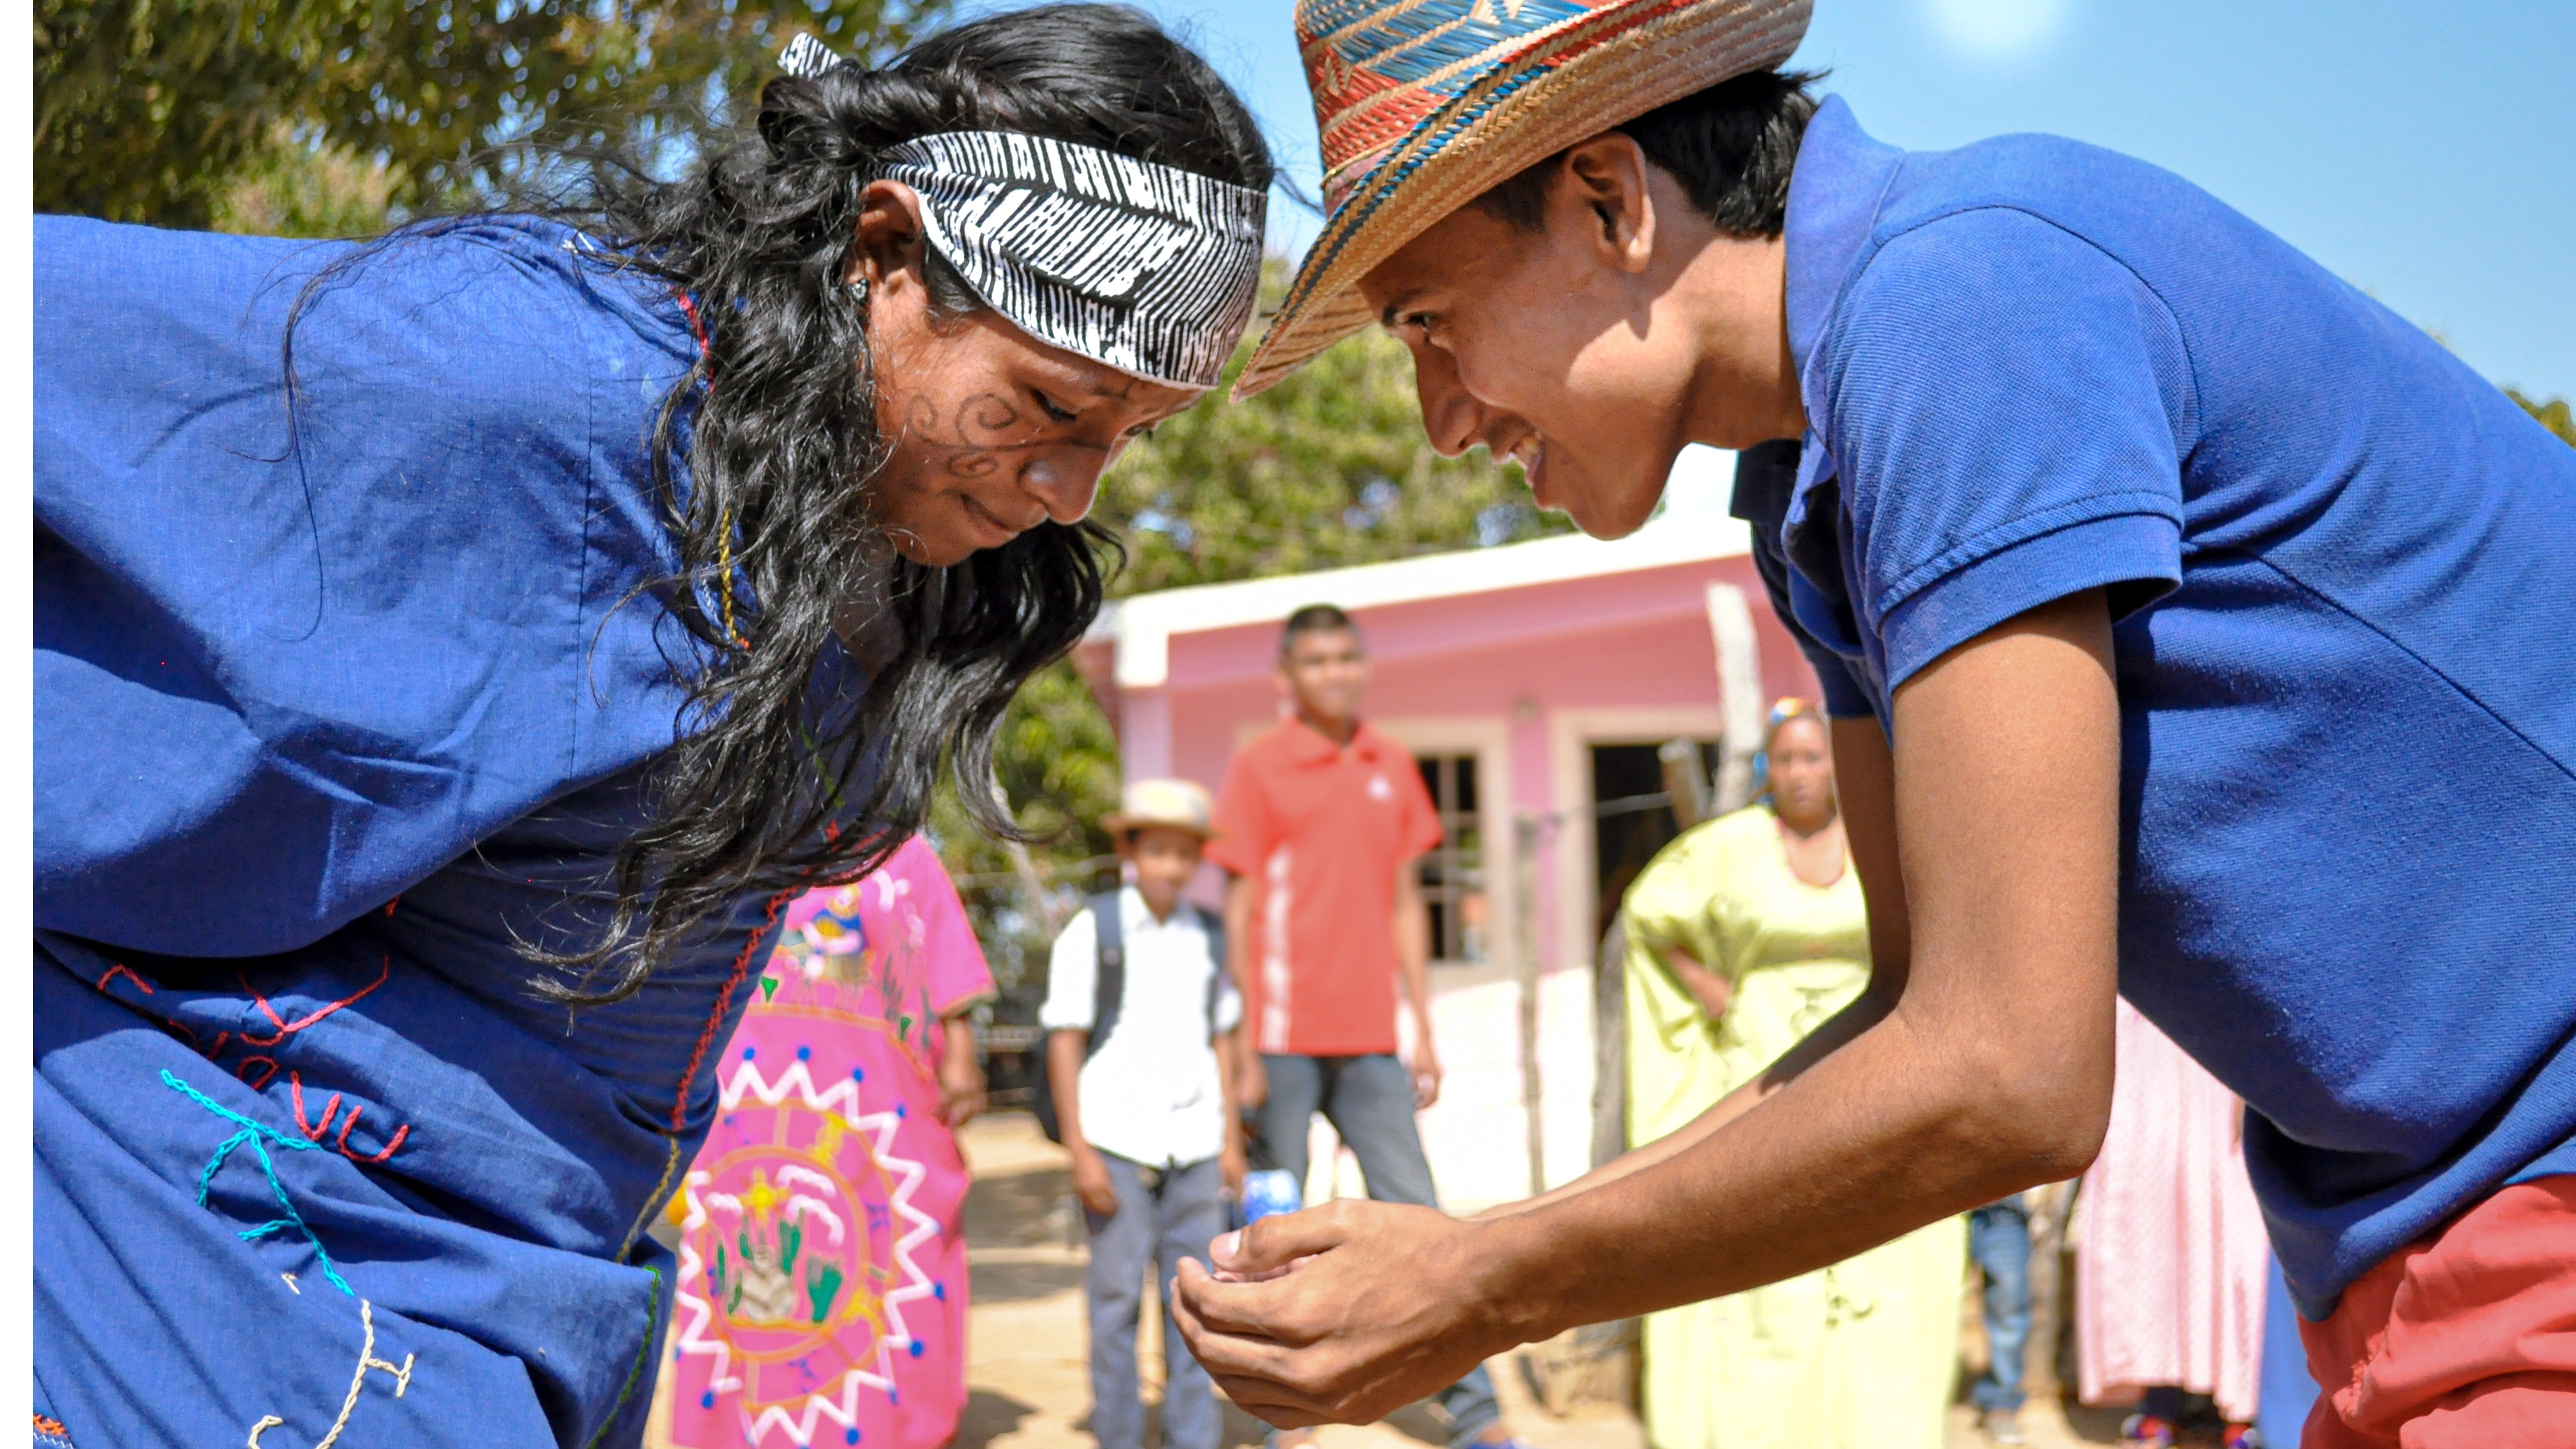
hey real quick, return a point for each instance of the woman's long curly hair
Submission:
(780, 557)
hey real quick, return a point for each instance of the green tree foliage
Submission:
(1329, 468)
(2552, 414)
(159, 110)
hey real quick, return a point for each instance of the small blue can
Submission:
(1268, 1192)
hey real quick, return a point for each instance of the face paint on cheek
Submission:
(984, 415)
(920, 419)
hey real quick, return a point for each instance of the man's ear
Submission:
(1607, 178)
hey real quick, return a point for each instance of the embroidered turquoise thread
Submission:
(634, 1371)
(251, 1134)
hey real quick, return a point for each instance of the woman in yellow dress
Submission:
(1743, 936)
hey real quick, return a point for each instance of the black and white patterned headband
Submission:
(1149, 269)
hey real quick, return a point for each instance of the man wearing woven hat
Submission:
(2164, 590)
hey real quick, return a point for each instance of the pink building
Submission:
(1535, 683)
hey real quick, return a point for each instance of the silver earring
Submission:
(859, 287)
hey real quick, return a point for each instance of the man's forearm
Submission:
(1990, 1071)
(1412, 925)
(1240, 921)
(1978, 1063)
(1842, 1027)
(1743, 1197)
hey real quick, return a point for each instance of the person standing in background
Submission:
(1140, 1024)
(822, 1259)
(1744, 935)
(2170, 1252)
(1319, 824)
(1999, 1242)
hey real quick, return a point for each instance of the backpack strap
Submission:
(1216, 978)
(1109, 980)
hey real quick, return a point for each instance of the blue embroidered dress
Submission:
(335, 705)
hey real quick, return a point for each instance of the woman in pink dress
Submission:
(2170, 1254)
(821, 1296)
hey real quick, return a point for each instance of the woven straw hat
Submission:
(1425, 105)
(1179, 804)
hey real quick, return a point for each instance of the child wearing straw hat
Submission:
(2163, 590)
(1140, 1016)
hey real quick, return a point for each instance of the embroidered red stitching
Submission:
(391, 1144)
(287, 1028)
(267, 1065)
(312, 1131)
(724, 998)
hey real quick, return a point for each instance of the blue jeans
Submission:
(1164, 1215)
(1369, 1101)
(1999, 1239)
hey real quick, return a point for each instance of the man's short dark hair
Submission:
(1314, 619)
(1731, 146)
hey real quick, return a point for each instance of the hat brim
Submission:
(1118, 822)
(1505, 123)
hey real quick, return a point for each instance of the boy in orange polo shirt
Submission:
(1320, 822)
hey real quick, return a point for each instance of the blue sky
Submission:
(2424, 152)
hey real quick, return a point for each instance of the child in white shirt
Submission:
(1140, 1060)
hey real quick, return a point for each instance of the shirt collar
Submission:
(1309, 746)
(1834, 193)
(1137, 916)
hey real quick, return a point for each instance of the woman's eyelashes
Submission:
(1047, 405)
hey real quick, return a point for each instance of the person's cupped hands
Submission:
(1339, 1314)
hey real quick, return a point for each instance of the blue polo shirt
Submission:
(2342, 569)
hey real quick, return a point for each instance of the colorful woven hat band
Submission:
(1424, 105)
(1148, 269)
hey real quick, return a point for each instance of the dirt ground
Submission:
(1026, 1355)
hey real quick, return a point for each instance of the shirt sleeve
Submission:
(1246, 828)
(289, 663)
(953, 960)
(1666, 908)
(1072, 969)
(2008, 409)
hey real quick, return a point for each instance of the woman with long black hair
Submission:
(453, 650)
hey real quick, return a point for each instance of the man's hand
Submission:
(1091, 1182)
(1232, 1165)
(1426, 1067)
(1359, 1308)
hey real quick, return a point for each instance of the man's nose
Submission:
(1451, 416)
(1064, 480)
